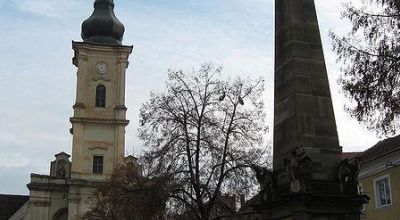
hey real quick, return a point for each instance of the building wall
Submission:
(80, 200)
(371, 172)
(47, 200)
(99, 131)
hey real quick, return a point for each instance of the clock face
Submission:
(101, 68)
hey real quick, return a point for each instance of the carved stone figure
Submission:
(61, 172)
(299, 165)
(348, 176)
(266, 180)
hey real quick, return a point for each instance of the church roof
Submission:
(9, 204)
(103, 27)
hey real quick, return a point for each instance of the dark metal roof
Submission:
(9, 204)
(380, 149)
(102, 27)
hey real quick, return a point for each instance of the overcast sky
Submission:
(38, 79)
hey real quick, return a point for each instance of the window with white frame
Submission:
(383, 192)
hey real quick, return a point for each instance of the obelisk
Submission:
(303, 106)
(309, 180)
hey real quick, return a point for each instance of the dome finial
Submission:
(102, 27)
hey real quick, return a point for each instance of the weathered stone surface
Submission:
(309, 180)
(304, 114)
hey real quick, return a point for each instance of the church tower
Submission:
(98, 124)
(99, 120)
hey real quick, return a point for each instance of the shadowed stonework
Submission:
(303, 107)
(309, 179)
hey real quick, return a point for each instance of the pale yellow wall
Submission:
(386, 213)
(114, 80)
(79, 203)
(46, 200)
(96, 131)
(99, 131)
(99, 141)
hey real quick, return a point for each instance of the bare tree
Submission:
(204, 132)
(370, 55)
(128, 195)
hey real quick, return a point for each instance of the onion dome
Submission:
(102, 27)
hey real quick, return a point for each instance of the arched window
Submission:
(98, 164)
(101, 96)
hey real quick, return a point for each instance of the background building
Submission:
(380, 179)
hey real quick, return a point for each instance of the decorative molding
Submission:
(99, 121)
(82, 45)
(83, 57)
(41, 203)
(101, 78)
(122, 60)
(78, 105)
(121, 108)
(74, 199)
(102, 145)
(63, 154)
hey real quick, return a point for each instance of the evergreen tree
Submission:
(370, 58)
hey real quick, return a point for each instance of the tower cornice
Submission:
(81, 49)
(99, 121)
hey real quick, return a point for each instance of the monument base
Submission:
(312, 207)
(296, 194)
